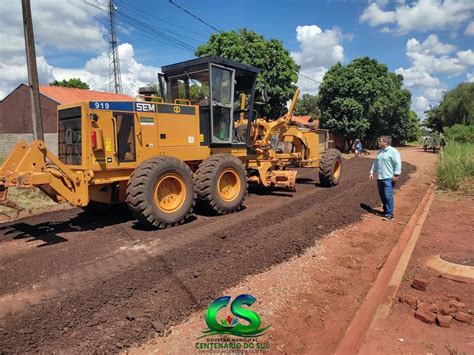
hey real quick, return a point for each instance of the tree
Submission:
(307, 105)
(279, 69)
(457, 106)
(411, 128)
(433, 119)
(364, 100)
(75, 83)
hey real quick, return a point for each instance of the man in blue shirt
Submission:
(388, 167)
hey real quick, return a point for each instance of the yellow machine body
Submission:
(102, 144)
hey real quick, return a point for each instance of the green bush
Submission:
(460, 133)
(456, 168)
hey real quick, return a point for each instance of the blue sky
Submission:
(430, 42)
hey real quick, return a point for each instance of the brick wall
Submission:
(8, 141)
(15, 112)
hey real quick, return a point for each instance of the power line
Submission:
(196, 17)
(152, 36)
(154, 18)
(148, 30)
(154, 31)
(162, 30)
(307, 77)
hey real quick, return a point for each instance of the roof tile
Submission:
(64, 95)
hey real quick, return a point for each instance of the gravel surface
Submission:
(82, 282)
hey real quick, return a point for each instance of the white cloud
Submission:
(431, 45)
(375, 16)
(61, 25)
(433, 94)
(96, 71)
(428, 58)
(421, 15)
(470, 77)
(431, 56)
(420, 104)
(309, 84)
(416, 77)
(67, 26)
(470, 29)
(319, 49)
(466, 57)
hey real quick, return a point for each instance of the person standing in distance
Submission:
(388, 167)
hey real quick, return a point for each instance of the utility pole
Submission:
(114, 61)
(32, 71)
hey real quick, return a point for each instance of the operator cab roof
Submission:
(199, 63)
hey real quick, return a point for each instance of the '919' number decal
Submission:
(101, 105)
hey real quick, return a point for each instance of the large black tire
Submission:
(160, 192)
(221, 183)
(330, 168)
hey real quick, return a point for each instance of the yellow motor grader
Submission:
(197, 138)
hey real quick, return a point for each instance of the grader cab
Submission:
(198, 138)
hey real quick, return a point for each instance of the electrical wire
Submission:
(307, 77)
(196, 17)
(154, 18)
(147, 30)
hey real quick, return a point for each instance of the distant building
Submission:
(15, 113)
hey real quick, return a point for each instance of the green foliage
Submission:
(456, 168)
(279, 69)
(433, 119)
(460, 133)
(364, 99)
(75, 83)
(411, 128)
(307, 105)
(456, 107)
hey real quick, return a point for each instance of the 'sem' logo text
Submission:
(144, 107)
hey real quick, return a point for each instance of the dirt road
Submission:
(74, 281)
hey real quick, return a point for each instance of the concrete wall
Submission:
(8, 141)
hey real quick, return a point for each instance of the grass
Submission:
(456, 168)
(25, 199)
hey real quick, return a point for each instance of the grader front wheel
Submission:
(221, 183)
(330, 167)
(160, 192)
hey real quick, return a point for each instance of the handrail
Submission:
(186, 101)
(114, 126)
(152, 97)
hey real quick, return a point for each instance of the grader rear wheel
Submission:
(160, 192)
(330, 167)
(221, 183)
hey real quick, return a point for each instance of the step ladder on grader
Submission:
(197, 139)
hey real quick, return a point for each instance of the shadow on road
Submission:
(81, 221)
(370, 209)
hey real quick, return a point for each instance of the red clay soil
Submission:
(311, 299)
(449, 228)
(81, 282)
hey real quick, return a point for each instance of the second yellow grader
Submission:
(198, 138)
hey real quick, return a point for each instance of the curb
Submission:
(387, 282)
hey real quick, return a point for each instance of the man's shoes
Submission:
(380, 214)
(387, 217)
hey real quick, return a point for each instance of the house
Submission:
(15, 113)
